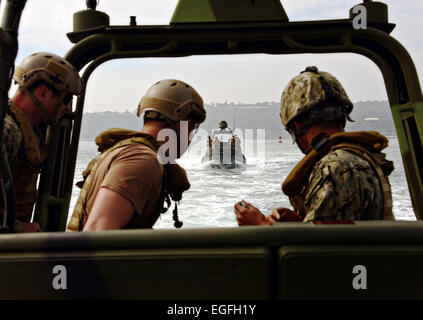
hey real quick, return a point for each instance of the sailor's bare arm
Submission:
(110, 211)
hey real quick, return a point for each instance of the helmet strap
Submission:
(319, 141)
(51, 117)
(330, 113)
(37, 102)
(57, 107)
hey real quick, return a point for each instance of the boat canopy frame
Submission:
(182, 40)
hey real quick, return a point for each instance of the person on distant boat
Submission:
(223, 124)
(47, 84)
(344, 175)
(223, 127)
(127, 184)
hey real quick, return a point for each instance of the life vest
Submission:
(174, 181)
(25, 172)
(366, 144)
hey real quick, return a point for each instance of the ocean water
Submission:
(213, 192)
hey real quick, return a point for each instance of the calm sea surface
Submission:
(213, 193)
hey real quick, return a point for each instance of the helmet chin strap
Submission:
(317, 143)
(315, 115)
(50, 118)
(59, 103)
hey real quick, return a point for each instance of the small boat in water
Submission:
(224, 149)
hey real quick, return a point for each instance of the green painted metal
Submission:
(140, 274)
(361, 233)
(8, 50)
(278, 262)
(396, 65)
(89, 19)
(375, 11)
(224, 263)
(408, 119)
(57, 200)
(193, 11)
(212, 11)
(326, 272)
(12, 15)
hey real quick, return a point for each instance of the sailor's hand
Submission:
(283, 214)
(248, 215)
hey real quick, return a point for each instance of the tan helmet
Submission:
(52, 69)
(310, 89)
(174, 100)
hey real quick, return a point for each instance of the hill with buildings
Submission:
(368, 115)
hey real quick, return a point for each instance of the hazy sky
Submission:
(119, 85)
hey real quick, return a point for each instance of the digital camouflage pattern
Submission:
(343, 186)
(13, 139)
(305, 91)
(25, 152)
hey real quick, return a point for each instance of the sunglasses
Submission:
(67, 99)
(190, 110)
(195, 130)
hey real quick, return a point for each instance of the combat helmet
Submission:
(317, 94)
(172, 100)
(52, 69)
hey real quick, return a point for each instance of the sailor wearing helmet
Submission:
(47, 83)
(344, 175)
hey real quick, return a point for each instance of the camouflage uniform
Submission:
(347, 179)
(343, 186)
(13, 138)
(25, 153)
(24, 143)
(342, 176)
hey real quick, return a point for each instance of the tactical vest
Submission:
(25, 171)
(367, 145)
(174, 181)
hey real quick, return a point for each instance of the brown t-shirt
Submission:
(134, 172)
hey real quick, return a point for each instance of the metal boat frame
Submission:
(288, 260)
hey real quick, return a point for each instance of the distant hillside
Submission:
(372, 110)
(246, 116)
(94, 123)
